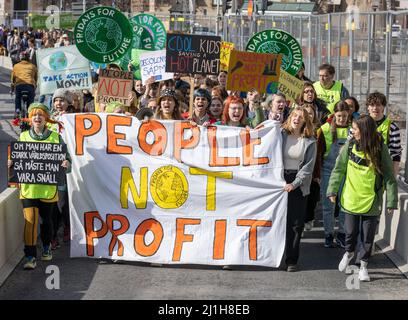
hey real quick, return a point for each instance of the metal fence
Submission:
(367, 57)
(367, 54)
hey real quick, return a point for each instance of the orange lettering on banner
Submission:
(180, 143)
(160, 138)
(139, 241)
(215, 160)
(111, 122)
(253, 224)
(248, 149)
(220, 232)
(91, 234)
(124, 227)
(81, 131)
(181, 237)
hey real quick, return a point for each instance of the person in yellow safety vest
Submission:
(329, 90)
(367, 167)
(330, 138)
(390, 132)
(38, 200)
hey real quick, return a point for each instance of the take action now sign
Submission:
(37, 163)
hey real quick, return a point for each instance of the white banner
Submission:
(62, 67)
(165, 192)
(153, 64)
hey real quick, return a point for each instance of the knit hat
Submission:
(37, 105)
(111, 106)
(167, 93)
(202, 93)
(62, 93)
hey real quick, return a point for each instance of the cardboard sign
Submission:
(62, 67)
(226, 48)
(114, 85)
(290, 86)
(153, 64)
(194, 54)
(249, 70)
(37, 163)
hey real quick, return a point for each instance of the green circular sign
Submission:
(140, 36)
(278, 41)
(103, 34)
(149, 33)
(155, 29)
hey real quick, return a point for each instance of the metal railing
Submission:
(367, 57)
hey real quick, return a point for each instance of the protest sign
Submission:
(62, 67)
(226, 48)
(103, 34)
(278, 41)
(149, 33)
(174, 192)
(37, 163)
(194, 54)
(136, 63)
(114, 85)
(290, 86)
(153, 64)
(155, 37)
(249, 70)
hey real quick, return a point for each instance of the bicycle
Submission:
(23, 113)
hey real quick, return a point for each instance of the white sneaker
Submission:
(345, 261)
(363, 273)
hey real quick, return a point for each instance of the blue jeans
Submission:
(328, 209)
(31, 95)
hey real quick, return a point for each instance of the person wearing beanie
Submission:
(168, 106)
(60, 102)
(38, 200)
(201, 101)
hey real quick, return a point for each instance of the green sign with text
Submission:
(103, 34)
(278, 41)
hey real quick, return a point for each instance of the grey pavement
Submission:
(7, 131)
(318, 278)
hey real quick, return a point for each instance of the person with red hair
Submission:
(234, 114)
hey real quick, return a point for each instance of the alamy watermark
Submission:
(53, 21)
(53, 280)
(352, 281)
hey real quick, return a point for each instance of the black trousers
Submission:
(295, 221)
(363, 227)
(32, 209)
(312, 199)
(60, 212)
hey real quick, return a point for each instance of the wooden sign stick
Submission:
(191, 96)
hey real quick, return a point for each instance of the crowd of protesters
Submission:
(329, 141)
